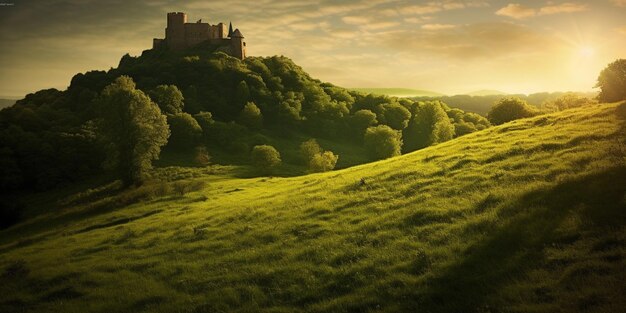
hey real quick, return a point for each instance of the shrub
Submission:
(315, 158)
(382, 142)
(265, 158)
(323, 162)
(251, 116)
(509, 109)
(202, 157)
(568, 101)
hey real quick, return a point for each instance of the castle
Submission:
(180, 35)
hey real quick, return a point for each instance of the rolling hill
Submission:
(399, 92)
(524, 217)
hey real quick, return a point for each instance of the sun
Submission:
(586, 51)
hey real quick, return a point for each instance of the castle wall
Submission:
(181, 35)
(196, 33)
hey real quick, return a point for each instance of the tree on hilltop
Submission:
(612, 82)
(133, 128)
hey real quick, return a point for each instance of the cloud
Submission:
(485, 41)
(562, 8)
(516, 11)
(619, 3)
(437, 26)
(621, 30)
(355, 20)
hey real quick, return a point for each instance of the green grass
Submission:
(528, 216)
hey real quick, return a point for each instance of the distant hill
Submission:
(6, 103)
(399, 92)
(523, 217)
(485, 92)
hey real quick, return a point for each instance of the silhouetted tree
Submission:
(134, 129)
(612, 82)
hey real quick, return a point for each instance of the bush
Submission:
(509, 109)
(251, 116)
(382, 142)
(568, 101)
(202, 157)
(323, 162)
(316, 159)
(265, 158)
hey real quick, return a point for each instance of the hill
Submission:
(214, 103)
(523, 217)
(482, 103)
(399, 92)
(485, 92)
(6, 103)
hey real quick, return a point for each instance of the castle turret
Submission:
(175, 31)
(238, 46)
(230, 29)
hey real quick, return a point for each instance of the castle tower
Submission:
(238, 46)
(175, 31)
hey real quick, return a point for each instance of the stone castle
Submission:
(180, 35)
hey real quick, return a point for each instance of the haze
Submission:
(445, 46)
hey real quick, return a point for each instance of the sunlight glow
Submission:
(586, 51)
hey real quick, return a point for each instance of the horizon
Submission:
(447, 47)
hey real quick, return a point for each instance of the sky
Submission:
(452, 47)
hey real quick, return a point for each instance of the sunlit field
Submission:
(527, 216)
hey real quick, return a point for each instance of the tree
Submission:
(396, 116)
(265, 158)
(382, 142)
(185, 131)
(169, 98)
(308, 149)
(315, 158)
(251, 116)
(133, 128)
(361, 120)
(509, 109)
(429, 125)
(612, 82)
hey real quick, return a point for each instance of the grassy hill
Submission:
(399, 92)
(524, 217)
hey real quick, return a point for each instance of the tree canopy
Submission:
(509, 109)
(612, 82)
(134, 128)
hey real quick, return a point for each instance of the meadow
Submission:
(527, 216)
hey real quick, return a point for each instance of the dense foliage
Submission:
(214, 101)
(266, 158)
(612, 82)
(133, 128)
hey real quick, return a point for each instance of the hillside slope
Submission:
(528, 216)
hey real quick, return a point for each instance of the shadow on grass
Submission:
(518, 244)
